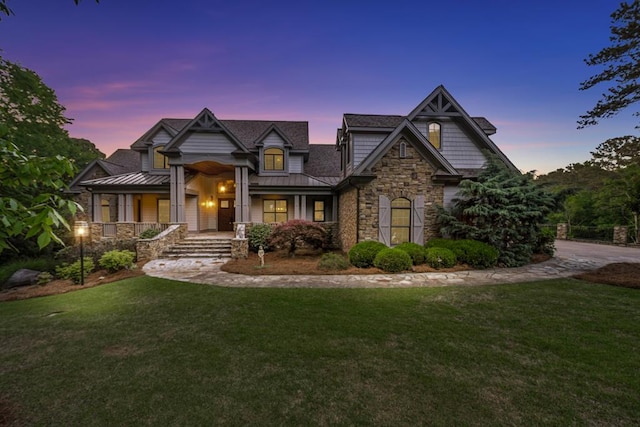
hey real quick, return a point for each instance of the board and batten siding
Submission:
(208, 143)
(191, 213)
(144, 161)
(364, 144)
(295, 164)
(457, 147)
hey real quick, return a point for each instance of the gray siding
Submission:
(144, 162)
(459, 149)
(295, 164)
(208, 143)
(450, 193)
(161, 138)
(273, 140)
(363, 144)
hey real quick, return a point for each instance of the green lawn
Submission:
(148, 351)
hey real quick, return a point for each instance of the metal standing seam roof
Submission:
(136, 178)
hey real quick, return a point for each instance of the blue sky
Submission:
(121, 65)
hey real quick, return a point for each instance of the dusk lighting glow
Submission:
(120, 66)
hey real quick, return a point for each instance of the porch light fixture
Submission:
(211, 203)
(81, 229)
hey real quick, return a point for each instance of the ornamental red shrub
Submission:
(296, 233)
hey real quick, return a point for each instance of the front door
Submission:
(226, 214)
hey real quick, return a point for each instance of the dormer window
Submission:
(435, 135)
(160, 161)
(273, 159)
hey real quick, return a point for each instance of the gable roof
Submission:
(412, 135)
(441, 103)
(163, 124)
(120, 162)
(249, 132)
(205, 121)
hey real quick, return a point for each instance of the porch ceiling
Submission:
(210, 167)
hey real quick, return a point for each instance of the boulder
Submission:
(22, 277)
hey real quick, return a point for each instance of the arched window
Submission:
(273, 159)
(400, 220)
(159, 160)
(435, 135)
(403, 150)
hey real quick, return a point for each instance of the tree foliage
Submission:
(35, 119)
(622, 66)
(31, 202)
(616, 153)
(503, 208)
(5, 10)
(295, 233)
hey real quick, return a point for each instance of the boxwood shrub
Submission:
(259, 235)
(362, 254)
(440, 258)
(416, 252)
(476, 254)
(393, 260)
(113, 261)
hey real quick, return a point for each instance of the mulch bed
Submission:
(625, 274)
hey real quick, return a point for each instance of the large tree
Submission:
(35, 119)
(31, 202)
(617, 153)
(503, 208)
(622, 66)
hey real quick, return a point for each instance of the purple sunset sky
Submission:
(121, 65)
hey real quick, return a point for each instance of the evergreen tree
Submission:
(502, 208)
(622, 64)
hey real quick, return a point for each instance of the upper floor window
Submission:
(403, 150)
(273, 159)
(160, 161)
(435, 135)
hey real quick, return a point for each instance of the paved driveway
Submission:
(595, 255)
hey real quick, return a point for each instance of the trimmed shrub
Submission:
(149, 233)
(297, 233)
(440, 258)
(259, 236)
(44, 278)
(113, 261)
(72, 271)
(393, 260)
(95, 249)
(546, 242)
(416, 252)
(475, 253)
(333, 261)
(362, 254)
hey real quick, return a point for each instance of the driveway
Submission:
(592, 255)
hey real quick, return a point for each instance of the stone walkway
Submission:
(571, 258)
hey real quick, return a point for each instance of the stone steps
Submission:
(198, 247)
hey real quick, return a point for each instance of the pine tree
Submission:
(502, 208)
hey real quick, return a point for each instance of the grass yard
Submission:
(147, 351)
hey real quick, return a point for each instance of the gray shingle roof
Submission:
(324, 160)
(248, 131)
(372, 120)
(122, 161)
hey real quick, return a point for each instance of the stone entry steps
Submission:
(199, 247)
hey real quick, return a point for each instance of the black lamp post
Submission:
(81, 229)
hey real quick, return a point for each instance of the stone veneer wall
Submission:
(149, 249)
(620, 235)
(399, 177)
(348, 217)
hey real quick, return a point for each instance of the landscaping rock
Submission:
(22, 277)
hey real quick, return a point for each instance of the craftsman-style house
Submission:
(381, 180)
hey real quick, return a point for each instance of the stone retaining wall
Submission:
(149, 249)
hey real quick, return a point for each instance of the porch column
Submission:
(177, 194)
(242, 194)
(296, 207)
(303, 207)
(121, 208)
(128, 207)
(334, 209)
(96, 207)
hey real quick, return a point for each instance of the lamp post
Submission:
(81, 229)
